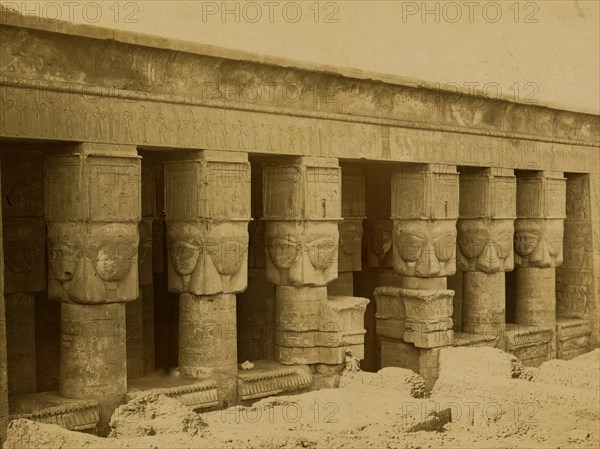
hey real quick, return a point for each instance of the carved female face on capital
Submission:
(485, 245)
(425, 248)
(538, 243)
(349, 253)
(92, 263)
(379, 242)
(207, 258)
(302, 253)
(24, 256)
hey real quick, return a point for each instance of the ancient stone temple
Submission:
(251, 225)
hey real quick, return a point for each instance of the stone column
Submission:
(92, 207)
(3, 360)
(487, 209)
(351, 231)
(541, 211)
(207, 204)
(24, 257)
(301, 207)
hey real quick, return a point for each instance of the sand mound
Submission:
(389, 379)
(580, 372)
(153, 414)
(25, 434)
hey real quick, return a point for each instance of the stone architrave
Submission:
(538, 243)
(92, 207)
(207, 205)
(424, 213)
(487, 210)
(301, 208)
(24, 261)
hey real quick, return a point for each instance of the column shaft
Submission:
(483, 303)
(93, 350)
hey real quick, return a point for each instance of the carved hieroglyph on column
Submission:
(487, 209)
(92, 206)
(538, 243)
(351, 231)
(207, 204)
(301, 207)
(424, 211)
(24, 261)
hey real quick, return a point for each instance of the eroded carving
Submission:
(349, 253)
(425, 248)
(24, 243)
(379, 242)
(538, 243)
(92, 263)
(301, 253)
(207, 258)
(485, 245)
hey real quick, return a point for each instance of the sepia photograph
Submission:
(314, 224)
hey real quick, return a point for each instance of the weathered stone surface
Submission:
(207, 257)
(483, 303)
(412, 315)
(51, 408)
(536, 303)
(305, 188)
(425, 191)
(302, 252)
(333, 323)
(211, 80)
(93, 351)
(208, 185)
(350, 244)
(573, 338)
(533, 345)
(134, 323)
(538, 243)
(298, 308)
(269, 378)
(207, 334)
(20, 343)
(379, 242)
(485, 245)
(87, 186)
(575, 277)
(425, 248)
(197, 395)
(91, 263)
